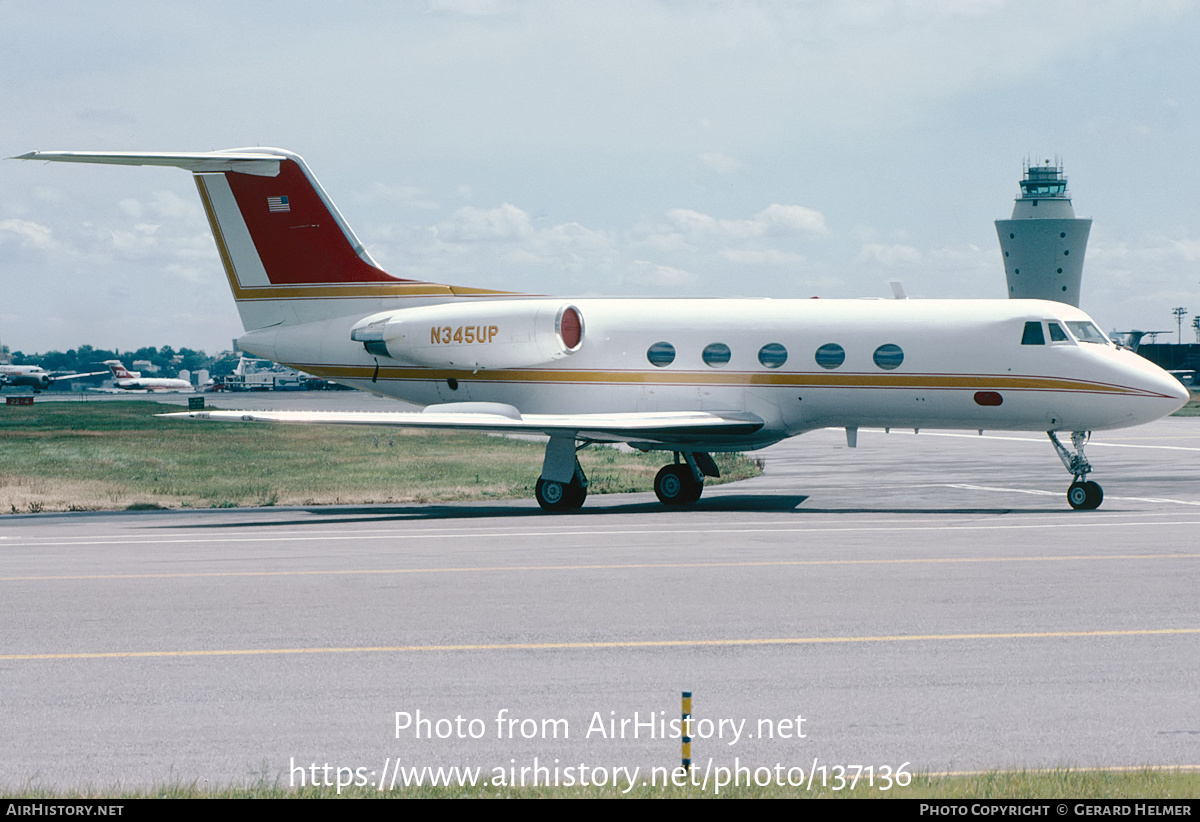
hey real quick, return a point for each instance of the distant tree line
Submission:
(169, 360)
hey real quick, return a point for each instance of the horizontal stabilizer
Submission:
(665, 426)
(246, 161)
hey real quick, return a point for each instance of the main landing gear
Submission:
(560, 497)
(563, 486)
(1083, 495)
(682, 482)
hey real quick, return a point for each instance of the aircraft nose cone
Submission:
(1174, 393)
(1181, 393)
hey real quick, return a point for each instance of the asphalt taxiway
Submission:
(926, 599)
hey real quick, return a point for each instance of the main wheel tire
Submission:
(578, 494)
(1085, 496)
(557, 497)
(675, 485)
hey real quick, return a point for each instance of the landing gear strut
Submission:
(563, 485)
(1083, 495)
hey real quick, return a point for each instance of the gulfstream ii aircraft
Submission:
(688, 376)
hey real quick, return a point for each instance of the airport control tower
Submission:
(1044, 242)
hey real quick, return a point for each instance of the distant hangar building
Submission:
(1044, 242)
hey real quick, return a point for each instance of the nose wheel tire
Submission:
(558, 497)
(1085, 496)
(675, 485)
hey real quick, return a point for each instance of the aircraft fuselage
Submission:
(797, 364)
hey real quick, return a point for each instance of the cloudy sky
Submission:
(659, 147)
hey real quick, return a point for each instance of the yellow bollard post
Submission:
(687, 724)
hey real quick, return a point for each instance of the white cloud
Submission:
(647, 273)
(167, 205)
(775, 220)
(470, 225)
(889, 255)
(791, 219)
(768, 256)
(27, 234)
(136, 242)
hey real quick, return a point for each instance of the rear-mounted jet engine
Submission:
(481, 335)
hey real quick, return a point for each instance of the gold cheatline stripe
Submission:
(552, 646)
(737, 378)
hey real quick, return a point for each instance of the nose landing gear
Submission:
(1083, 495)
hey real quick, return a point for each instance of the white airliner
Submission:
(34, 376)
(134, 381)
(688, 376)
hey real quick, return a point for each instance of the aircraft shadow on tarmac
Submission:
(773, 503)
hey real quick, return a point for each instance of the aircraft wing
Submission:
(57, 377)
(653, 426)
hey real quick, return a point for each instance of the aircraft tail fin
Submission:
(119, 371)
(288, 253)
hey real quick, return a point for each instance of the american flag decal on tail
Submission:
(278, 204)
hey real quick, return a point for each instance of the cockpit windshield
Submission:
(1087, 332)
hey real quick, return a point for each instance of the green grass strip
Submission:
(119, 455)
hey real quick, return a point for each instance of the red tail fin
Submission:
(298, 236)
(119, 371)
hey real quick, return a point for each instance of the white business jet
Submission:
(688, 376)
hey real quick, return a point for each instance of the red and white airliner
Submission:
(134, 381)
(687, 376)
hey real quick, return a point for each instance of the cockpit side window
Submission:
(1056, 333)
(1033, 335)
(1087, 332)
